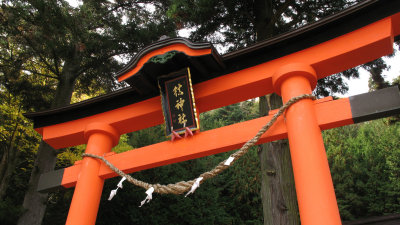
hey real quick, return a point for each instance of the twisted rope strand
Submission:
(184, 186)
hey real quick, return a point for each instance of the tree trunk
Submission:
(263, 24)
(3, 166)
(3, 173)
(11, 162)
(35, 202)
(278, 192)
(8, 161)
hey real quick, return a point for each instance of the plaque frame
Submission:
(173, 113)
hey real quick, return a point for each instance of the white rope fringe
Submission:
(229, 161)
(194, 186)
(114, 192)
(149, 193)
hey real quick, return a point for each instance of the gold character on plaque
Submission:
(177, 90)
(182, 118)
(179, 104)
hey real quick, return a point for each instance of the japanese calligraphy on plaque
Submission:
(177, 101)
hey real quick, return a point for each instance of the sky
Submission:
(359, 86)
(356, 86)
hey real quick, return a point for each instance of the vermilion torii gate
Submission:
(289, 65)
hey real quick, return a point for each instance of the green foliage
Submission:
(147, 136)
(236, 24)
(49, 49)
(33, 93)
(69, 156)
(240, 184)
(123, 144)
(17, 148)
(204, 207)
(71, 47)
(365, 162)
(9, 212)
(57, 206)
(229, 115)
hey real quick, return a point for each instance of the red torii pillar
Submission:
(314, 187)
(100, 138)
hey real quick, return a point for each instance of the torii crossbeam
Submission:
(289, 65)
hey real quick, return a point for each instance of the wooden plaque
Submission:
(177, 102)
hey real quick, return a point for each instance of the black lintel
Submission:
(50, 181)
(374, 105)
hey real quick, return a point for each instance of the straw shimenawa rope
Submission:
(184, 186)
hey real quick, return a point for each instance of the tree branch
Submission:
(101, 59)
(39, 55)
(55, 57)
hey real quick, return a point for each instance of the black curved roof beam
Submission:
(169, 55)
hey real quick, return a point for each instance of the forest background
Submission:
(53, 54)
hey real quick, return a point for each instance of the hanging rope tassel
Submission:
(114, 192)
(194, 186)
(149, 193)
(229, 161)
(120, 182)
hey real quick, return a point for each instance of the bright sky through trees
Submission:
(359, 86)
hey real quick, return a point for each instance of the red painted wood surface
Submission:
(175, 47)
(330, 114)
(86, 199)
(314, 187)
(344, 52)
